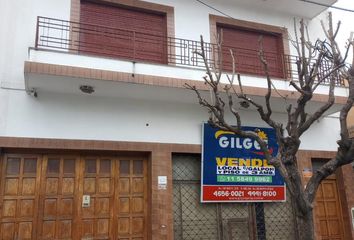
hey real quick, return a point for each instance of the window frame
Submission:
(168, 11)
(215, 21)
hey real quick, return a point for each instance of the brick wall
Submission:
(350, 120)
(348, 188)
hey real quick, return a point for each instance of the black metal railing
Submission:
(83, 38)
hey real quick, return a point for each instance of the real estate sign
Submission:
(234, 168)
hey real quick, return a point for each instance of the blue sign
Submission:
(234, 168)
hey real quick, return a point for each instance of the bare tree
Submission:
(310, 59)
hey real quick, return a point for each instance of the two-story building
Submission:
(99, 139)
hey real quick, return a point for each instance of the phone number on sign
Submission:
(227, 193)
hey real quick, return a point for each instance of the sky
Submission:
(346, 18)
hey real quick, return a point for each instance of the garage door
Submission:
(19, 197)
(114, 31)
(73, 197)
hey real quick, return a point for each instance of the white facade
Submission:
(125, 112)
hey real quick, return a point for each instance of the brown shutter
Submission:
(123, 32)
(245, 46)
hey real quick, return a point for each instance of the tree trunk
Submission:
(305, 224)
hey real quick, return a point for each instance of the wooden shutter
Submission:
(122, 32)
(245, 46)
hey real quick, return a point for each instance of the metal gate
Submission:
(227, 221)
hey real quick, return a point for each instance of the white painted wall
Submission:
(54, 115)
(88, 117)
(17, 30)
(192, 18)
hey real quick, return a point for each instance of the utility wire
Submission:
(219, 11)
(306, 1)
(327, 5)
(289, 39)
(229, 16)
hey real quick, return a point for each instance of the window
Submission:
(122, 32)
(243, 38)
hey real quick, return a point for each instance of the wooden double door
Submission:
(73, 197)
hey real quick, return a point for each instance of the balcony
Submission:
(130, 55)
(96, 40)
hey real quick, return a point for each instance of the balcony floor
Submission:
(65, 72)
